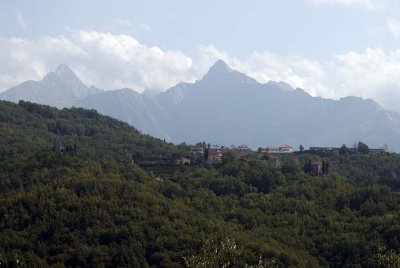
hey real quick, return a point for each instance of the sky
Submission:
(329, 48)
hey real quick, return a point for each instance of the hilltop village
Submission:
(202, 154)
(316, 160)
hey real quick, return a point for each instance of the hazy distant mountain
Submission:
(129, 106)
(59, 88)
(226, 107)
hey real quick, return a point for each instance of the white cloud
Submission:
(372, 73)
(368, 4)
(103, 59)
(21, 20)
(121, 61)
(25, 59)
(298, 71)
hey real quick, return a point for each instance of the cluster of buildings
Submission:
(276, 150)
(197, 153)
(269, 150)
(213, 155)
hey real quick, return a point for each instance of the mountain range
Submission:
(225, 107)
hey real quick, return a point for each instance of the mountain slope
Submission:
(129, 106)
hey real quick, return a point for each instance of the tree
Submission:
(301, 148)
(362, 148)
(387, 258)
(223, 254)
(343, 150)
(214, 254)
(293, 167)
(307, 167)
(227, 157)
(206, 154)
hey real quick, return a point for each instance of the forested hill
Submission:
(70, 197)
(28, 127)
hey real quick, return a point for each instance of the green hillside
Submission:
(28, 127)
(71, 197)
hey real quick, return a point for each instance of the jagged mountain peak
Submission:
(58, 88)
(220, 67)
(221, 71)
(66, 75)
(63, 69)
